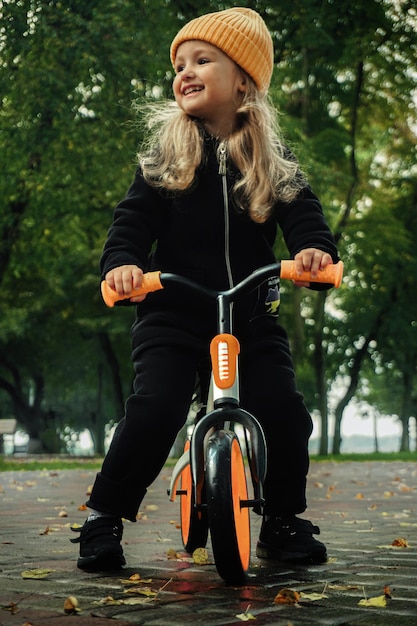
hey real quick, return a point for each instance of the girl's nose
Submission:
(188, 71)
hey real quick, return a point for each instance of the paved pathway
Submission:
(362, 508)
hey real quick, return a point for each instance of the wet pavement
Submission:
(362, 510)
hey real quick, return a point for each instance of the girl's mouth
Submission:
(191, 89)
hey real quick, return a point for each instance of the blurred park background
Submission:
(73, 78)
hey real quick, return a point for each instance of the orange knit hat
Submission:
(241, 34)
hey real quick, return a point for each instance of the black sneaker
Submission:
(290, 539)
(100, 547)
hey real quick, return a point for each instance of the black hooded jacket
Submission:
(202, 235)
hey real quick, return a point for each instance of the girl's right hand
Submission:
(124, 279)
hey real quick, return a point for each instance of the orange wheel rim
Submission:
(239, 493)
(185, 502)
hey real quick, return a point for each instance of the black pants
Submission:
(164, 383)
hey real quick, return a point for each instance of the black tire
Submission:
(194, 524)
(229, 523)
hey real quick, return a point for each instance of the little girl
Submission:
(212, 186)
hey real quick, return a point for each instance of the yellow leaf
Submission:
(313, 596)
(135, 579)
(342, 587)
(36, 573)
(143, 591)
(245, 617)
(379, 601)
(110, 601)
(200, 556)
(173, 555)
(131, 601)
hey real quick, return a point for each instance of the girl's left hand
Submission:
(310, 260)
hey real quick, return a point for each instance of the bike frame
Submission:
(224, 352)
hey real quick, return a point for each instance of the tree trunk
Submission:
(406, 405)
(113, 364)
(351, 390)
(28, 411)
(319, 371)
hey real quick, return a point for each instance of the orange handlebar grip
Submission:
(150, 282)
(333, 273)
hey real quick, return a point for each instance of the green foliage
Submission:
(344, 83)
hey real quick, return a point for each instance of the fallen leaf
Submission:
(62, 514)
(82, 507)
(343, 587)
(135, 579)
(387, 592)
(151, 507)
(71, 605)
(200, 556)
(173, 555)
(38, 574)
(245, 617)
(287, 596)
(131, 601)
(45, 531)
(12, 607)
(400, 542)
(143, 591)
(379, 601)
(313, 596)
(109, 600)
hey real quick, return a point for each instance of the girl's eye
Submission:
(203, 61)
(179, 68)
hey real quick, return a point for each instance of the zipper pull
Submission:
(222, 159)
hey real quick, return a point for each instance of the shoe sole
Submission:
(101, 561)
(265, 552)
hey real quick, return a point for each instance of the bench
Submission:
(8, 426)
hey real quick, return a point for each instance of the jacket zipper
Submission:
(223, 174)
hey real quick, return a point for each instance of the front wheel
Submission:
(229, 522)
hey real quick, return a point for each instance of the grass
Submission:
(411, 457)
(32, 463)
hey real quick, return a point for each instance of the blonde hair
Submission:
(174, 150)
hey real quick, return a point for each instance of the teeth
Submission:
(191, 90)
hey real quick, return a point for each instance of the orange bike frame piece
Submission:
(224, 350)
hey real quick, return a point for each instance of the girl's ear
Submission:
(242, 85)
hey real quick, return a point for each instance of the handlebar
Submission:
(154, 281)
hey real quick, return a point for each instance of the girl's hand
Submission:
(124, 279)
(311, 260)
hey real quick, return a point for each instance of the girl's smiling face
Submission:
(208, 85)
